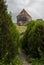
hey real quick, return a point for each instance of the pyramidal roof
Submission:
(23, 12)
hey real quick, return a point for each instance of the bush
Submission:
(33, 39)
(36, 61)
(9, 36)
(17, 61)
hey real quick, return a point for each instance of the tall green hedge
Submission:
(33, 39)
(9, 35)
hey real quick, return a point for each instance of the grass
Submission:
(36, 61)
(21, 28)
(16, 61)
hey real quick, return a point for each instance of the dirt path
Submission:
(23, 57)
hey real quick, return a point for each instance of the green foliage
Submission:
(17, 61)
(35, 61)
(33, 39)
(9, 35)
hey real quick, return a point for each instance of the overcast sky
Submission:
(34, 7)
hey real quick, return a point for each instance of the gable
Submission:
(23, 12)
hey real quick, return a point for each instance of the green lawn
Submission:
(21, 28)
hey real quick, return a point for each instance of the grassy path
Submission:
(23, 57)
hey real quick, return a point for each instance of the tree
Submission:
(32, 41)
(9, 36)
